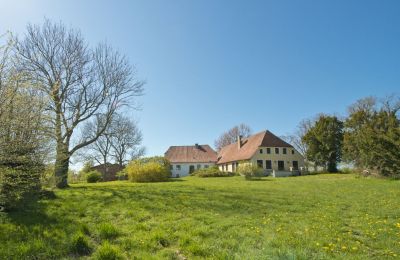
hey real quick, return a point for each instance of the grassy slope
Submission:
(324, 216)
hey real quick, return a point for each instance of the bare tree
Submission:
(231, 135)
(81, 84)
(100, 150)
(126, 140)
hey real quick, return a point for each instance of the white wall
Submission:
(184, 171)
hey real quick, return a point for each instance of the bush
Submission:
(93, 176)
(211, 172)
(17, 185)
(80, 244)
(108, 252)
(250, 171)
(153, 169)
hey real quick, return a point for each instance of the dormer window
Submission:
(261, 150)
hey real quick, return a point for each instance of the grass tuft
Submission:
(108, 252)
(108, 231)
(80, 244)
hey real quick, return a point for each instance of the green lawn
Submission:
(322, 216)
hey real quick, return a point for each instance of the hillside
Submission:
(322, 216)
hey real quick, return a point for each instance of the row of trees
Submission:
(59, 96)
(368, 138)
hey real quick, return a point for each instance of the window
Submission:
(260, 163)
(284, 151)
(268, 164)
(295, 165)
(281, 165)
(268, 150)
(206, 166)
(178, 167)
(171, 167)
(292, 151)
(198, 166)
(277, 150)
(261, 150)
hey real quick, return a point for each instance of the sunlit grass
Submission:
(323, 216)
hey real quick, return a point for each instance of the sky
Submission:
(209, 65)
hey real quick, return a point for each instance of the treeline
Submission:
(59, 96)
(368, 138)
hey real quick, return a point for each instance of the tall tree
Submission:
(126, 139)
(324, 142)
(22, 124)
(372, 135)
(81, 84)
(231, 135)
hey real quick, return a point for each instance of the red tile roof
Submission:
(191, 154)
(249, 147)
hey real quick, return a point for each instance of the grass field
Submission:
(320, 217)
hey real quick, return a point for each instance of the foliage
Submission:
(122, 175)
(93, 176)
(80, 244)
(324, 142)
(197, 218)
(372, 136)
(23, 145)
(211, 172)
(231, 135)
(250, 171)
(18, 184)
(151, 169)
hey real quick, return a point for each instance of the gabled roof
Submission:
(249, 147)
(191, 154)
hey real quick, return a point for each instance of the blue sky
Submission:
(212, 64)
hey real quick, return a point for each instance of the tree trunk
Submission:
(62, 165)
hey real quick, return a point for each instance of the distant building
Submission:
(186, 159)
(269, 152)
(265, 150)
(109, 171)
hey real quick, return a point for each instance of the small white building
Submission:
(186, 159)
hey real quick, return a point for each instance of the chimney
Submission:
(239, 141)
(197, 145)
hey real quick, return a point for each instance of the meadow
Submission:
(309, 217)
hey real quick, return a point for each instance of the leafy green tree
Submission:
(324, 142)
(22, 124)
(372, 135)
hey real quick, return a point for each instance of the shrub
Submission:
(122, 175)
(250, 171)
(108, 231)
(108, 252)
(211, 172)
(18, 184)
(93, 176)
(153, 169)
(80, 244)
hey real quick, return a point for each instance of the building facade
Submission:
(264, 149)
(186, 159)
